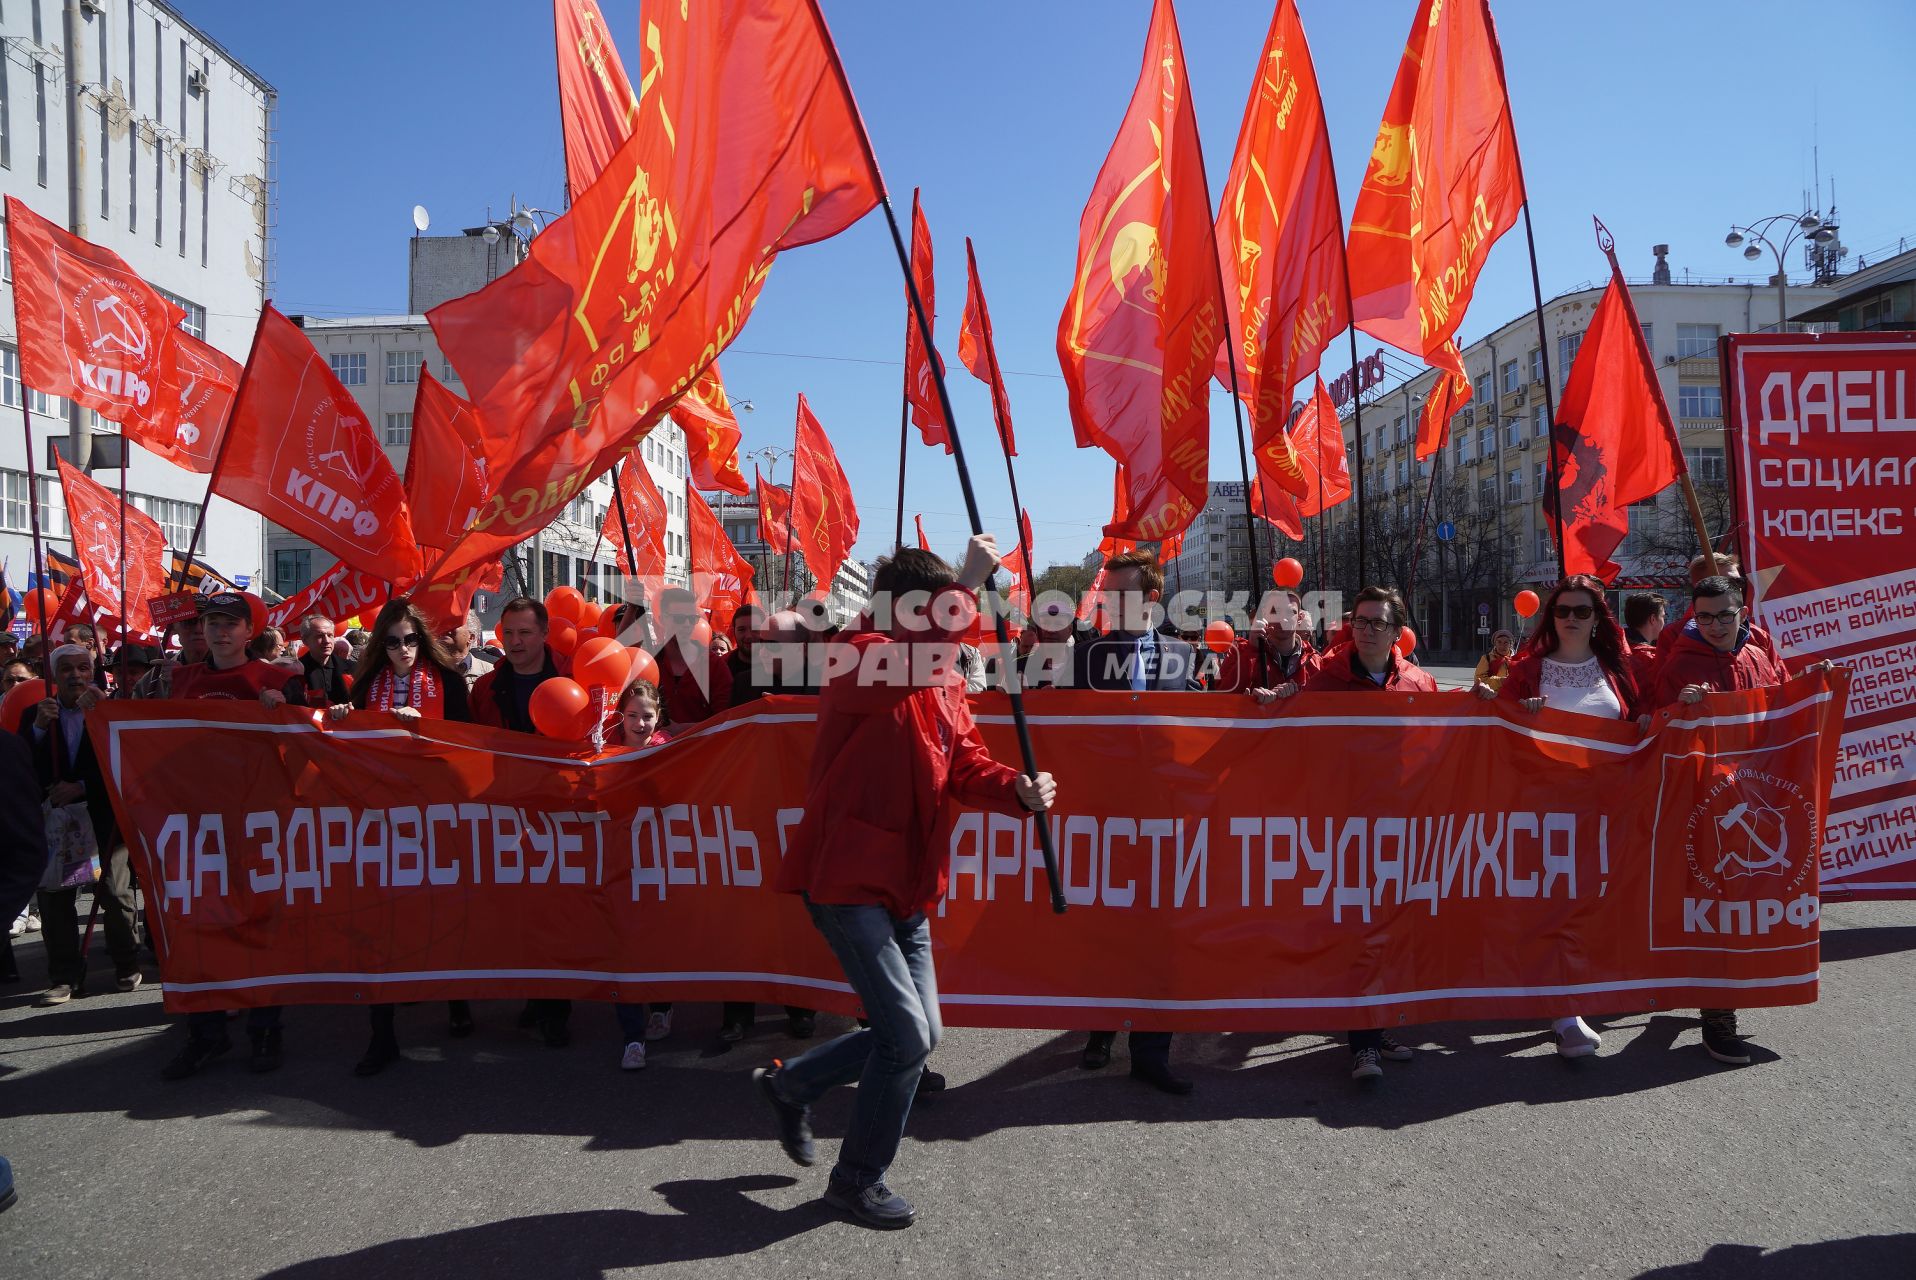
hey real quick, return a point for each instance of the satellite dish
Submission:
(420, 218)
(490, 235)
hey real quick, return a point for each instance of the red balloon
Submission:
(39, 607)
(1526, 603)
(565, 604)
(601, 663)
(1287, 573)
(563, 638)
(1406, 642)
(258, 608)
(1219, 636)
(560, 708)
(702, 634)
(607, 616)
(644, 667)
(20, 702)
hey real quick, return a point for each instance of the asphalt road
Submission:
(495, 1156)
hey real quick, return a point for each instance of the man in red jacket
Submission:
(1369, 662)
(890, 755)
(1277, 652)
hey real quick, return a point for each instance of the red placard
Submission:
(1823, 434)
(176, 607)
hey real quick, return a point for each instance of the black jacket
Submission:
(50, 766)
(1104, 662)
(23, 830)
(325, 681)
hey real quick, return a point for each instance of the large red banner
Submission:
(1826, 478)
(1324, 862)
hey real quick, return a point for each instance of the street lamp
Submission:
(1764, 233)
(772, 455)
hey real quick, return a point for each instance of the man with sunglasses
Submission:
(1715, 653)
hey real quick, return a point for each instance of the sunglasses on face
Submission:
(1717, 619)
(410, 641)
(1581, 612)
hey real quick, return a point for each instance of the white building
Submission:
(1216, 556)
(126, 125)
(851, 586)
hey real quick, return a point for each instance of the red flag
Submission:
(747, 143)
(774, 514)
(1444, 183)
(645, 514)
(445, 478)
(721, 577)
(1614, 442)
(824, 519)
(980, 353)
(597, 108)
(923, 544)
(300, 452)
(1141, 329)
(1120, 515)
(340, 593)
(90, 328)
(1280, 234)
(712, 436)
(1018, 568)
(920, 389)
(1318, 436)
(199, 385)
(93, 516)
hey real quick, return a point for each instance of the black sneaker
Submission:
(380, 1054)
(266, 1046)
(1394, 1049)
(192, 1055)
(1721, 1040)
(731, 1032)
(930, 1081)
(794, 1121)
(801, 1026)
(875, 1206)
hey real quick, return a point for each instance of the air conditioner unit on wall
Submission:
(196, 82)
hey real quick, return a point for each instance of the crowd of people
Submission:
(888, 759)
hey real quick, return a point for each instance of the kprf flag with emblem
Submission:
(1614, 441)
(1280, 234)
(94, 516)
(597, 108)
(980, 353)
(921, 390)
(300, 452)
(774, 513)
(644, 517)
(1444, 183)
(90, 328)
(824, 520)
(1140, 331)
(199, 386)
(445, 479)
(747, 143)
(712, 436)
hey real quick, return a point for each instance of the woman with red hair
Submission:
(1575, 659)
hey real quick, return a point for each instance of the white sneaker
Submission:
(1575, 1039)
(659, 1025)
(634, 1059)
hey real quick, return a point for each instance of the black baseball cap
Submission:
(230, 603)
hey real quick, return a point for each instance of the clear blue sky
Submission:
(1670, 120)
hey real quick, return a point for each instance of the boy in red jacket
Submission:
(890, 754)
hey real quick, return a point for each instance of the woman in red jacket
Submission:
(404, 671)
(890, 754)
(1576, 659)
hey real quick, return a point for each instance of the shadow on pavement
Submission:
(1838, 1259)
(1868, 940)
(714, 1219)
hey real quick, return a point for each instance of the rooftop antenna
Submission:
(420, 220)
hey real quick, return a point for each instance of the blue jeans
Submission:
(888, 963)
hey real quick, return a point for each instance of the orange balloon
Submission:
(258, 608)
(565, 604)
(40, 605)
(1406, 642)
(607, 616)
(1219, 636)
(563, 638)
(702, 634)
(1526, 603)
(20, 702)
(1287, 573)
(644, 667)
(601, 663)
(560, 708)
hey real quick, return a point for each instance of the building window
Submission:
(195, 322)
(1403, 474)
(399, 428)
(1536, 364)
(1649, 338)
(1482, 393)
(1511, 378)
(6, 245)
(451, 374)
(1543, 478)
(1463, 447)
(1566, 356)
(1487, 492)
(1514, 486)
(13, 502)
(10, 376)
(1696, 340)
(1397, 433)
(402, 368)
(349, 367)
(176, 519)
(1542, 420)
(1545, 549)
(292, 570)
(1513, 432)
(1705, 463)
(1704, 401)
(1486, 442)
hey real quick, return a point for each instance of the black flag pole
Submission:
(39, 567)
(904, 440)
(1004, 433)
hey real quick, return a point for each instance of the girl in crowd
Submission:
(1575, 659)
(406, 671)
(1495, 665)
(639, 725)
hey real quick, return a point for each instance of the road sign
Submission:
(1446, 530)
(1483, 626)
(1483, 610)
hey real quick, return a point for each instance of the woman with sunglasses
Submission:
(1575, 660)
(406, 671)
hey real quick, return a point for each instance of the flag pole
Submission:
(1004, 436)
(39, 568)
(126, 462)
(219, 454)
(904, 439)
(1609, 246)
(791, 508)
(625, 525)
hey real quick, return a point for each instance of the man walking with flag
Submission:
(891, 754)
